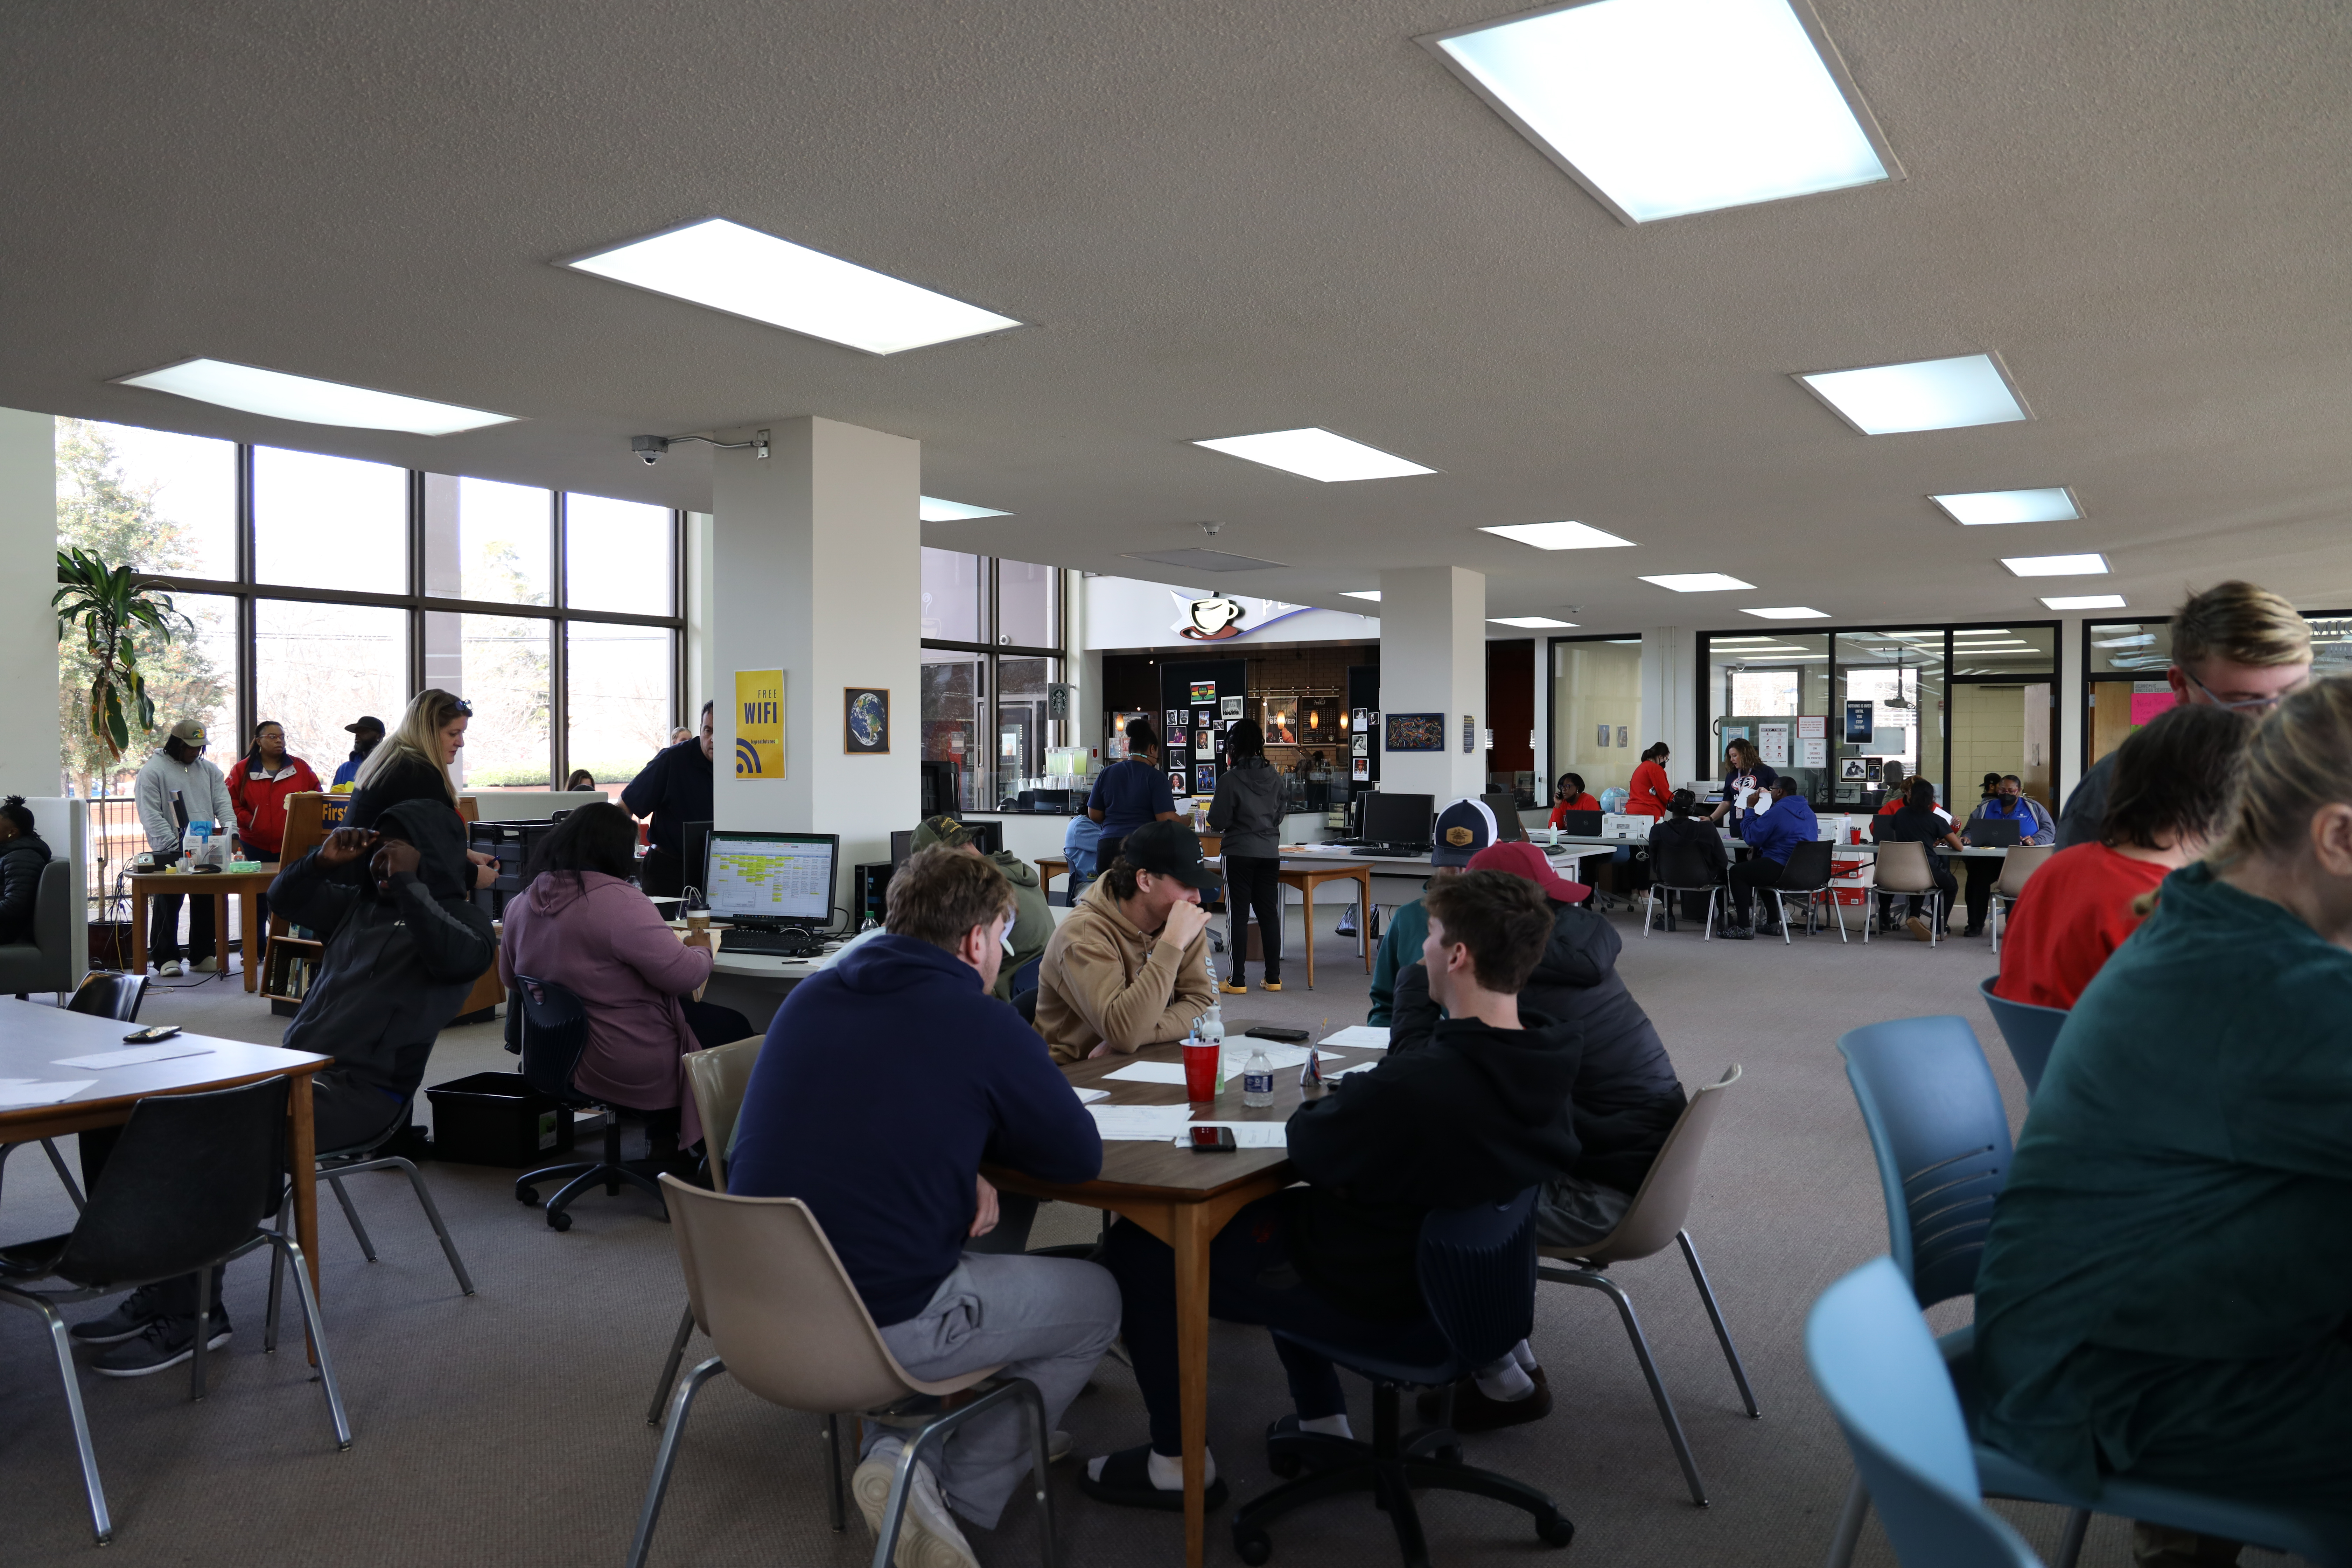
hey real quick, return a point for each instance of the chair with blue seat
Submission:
(1941, 1138)
(2028, 1028)
(1477, 1268)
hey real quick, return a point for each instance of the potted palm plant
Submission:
(113, 610)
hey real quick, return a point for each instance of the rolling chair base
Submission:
(609, 1172)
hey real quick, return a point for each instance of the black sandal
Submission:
(1125, 1482)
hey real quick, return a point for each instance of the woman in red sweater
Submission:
(1650, 794)
(1571, 798)
(2173, 779)
(258, 788)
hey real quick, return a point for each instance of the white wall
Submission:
(29, 742)
(700, 586)
(1669, 660)
(1434, 660)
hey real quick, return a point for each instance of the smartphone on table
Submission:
(1213, 1140)
(150, 1036)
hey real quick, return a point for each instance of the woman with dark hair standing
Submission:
(1248, 811)
(581, 923)
(1130, 792)
(259, 786)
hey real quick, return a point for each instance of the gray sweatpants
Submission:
(1048, 1320)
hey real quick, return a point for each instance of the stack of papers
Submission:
(1088, 1095)
(1150, 1072)
(1359, 1037)
(17, 1092)
(1247, 1134)
(1238, 1053)
(1342, 1072)
(1140, 1123)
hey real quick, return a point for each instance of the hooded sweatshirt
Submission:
(397, 966)
(1106, 979)
(1475, 1114)
(171, 795)
(21, 859)
(1033, 916)
(1248, 809)
(884, 1081)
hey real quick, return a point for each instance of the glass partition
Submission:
(1596, 712)
(952, 583)
(1027, 597)
(1890, 708)
(953, 687)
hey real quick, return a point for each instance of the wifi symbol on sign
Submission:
(747, 758)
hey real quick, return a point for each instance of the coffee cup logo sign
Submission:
(1212, 619)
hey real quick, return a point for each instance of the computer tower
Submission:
(512, 844)
(869, 886)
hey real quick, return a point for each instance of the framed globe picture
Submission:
(865, 719)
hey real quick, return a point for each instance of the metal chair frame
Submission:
(1813, 891)
(337, 1164)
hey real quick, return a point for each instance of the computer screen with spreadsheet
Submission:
(785, 876)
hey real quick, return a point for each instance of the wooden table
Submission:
(246, 887)
(1184, 1199)
(1049, 868)
(1309, 875)
(34, 1036)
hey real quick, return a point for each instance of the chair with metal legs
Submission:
(1679, 868)
(1903, 870)
(1806, 874)
(791, 1328)
(2021, 861)
(1652, 1222)
(337, 1164)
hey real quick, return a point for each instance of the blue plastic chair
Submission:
(1941, 1138)
(1881, 1377)
(2028, 1028)
(1477, 1268)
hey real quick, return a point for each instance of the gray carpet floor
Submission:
(510, 1427)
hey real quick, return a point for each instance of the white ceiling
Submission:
(1231, 217)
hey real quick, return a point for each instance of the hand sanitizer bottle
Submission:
(1257, 1080)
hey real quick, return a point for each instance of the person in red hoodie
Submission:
(259, 786)
(1572, 798)
(1651, 793)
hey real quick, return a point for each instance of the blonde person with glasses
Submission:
(2234, 646)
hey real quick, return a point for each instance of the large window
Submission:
(991, 651)
(557, 617)
(2126, 677)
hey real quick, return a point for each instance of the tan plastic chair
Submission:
(1652, 1222)
(2018, 864)
(790, 1326)
(717, 1077)
(1903, 868)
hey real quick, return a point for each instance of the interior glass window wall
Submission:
(1760, 687)
(1596, 712)
(991, 650)
(2126, 679)
(953, 687)
(317, 667)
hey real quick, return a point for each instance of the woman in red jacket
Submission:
(258, 788)
(1650, 794)
(1571, 797)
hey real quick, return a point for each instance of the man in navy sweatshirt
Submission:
(1769, 837)
(884, 1082)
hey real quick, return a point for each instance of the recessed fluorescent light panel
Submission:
(2057, 565)
(2086, 601)
(1986, 509)
(931, 509)
(1927, 394)
(744, 272)
(1697, 582)
(1790, 613)
(1531, 623)
(276, 396)
(1371, 593)
(1660, 108)
(1316, 454)
(1559, 535)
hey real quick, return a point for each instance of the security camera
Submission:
(649, 448)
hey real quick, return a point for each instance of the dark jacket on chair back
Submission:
(21, 859)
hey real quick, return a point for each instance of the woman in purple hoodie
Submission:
(583, 924)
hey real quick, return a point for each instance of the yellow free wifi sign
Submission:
(758, 724)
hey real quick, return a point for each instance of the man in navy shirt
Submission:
(884, 1082)
(1130, 792)
(2008, 803)
(674, 789)
(1771, 835)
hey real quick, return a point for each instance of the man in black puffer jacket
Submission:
(22, 855)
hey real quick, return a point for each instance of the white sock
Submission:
(1328, 1425)
(1524, 1354)
(1167, 1474)
(1506, 1382)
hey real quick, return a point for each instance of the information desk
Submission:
(34, 1036)
(245, 887)
(1184, 1199)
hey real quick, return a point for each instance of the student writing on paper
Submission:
(1478, 1114)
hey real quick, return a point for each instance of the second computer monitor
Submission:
(1397, 819)
(774, 877)
(1508, 825)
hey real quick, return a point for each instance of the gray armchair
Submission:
(46, 963)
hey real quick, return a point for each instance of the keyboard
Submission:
(772, 943)
(1405, 850)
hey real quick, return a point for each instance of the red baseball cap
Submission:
(1520, 858)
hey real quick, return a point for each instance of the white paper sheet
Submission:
(1247, 1134)
(1343, 1072)
(1088, 1095)
(135, 1055)
(33, 1092)
(1238, 1053)
(1360, 1037)
(1138, 1124)
(1150, 1072)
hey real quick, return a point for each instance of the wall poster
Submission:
(759, 724)
(1416, 732)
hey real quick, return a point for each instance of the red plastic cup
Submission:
(1200, 1072)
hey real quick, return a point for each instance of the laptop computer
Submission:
(1995, 832)
(1507, 825)
(1580, 823)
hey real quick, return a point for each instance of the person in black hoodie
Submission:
(672, 790)
(1684, 825)
(1477, 1114)
(403, 947)
(22, 854)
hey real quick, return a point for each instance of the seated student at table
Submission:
(1625, 1099)
(1748, 782)
(1129, 967)
(404, 944)
(1080, 842)
(1464, 828)
(2008, 802)
(1130, 792)
(1684, 825)
(1033, 921)
(1772, 834)
(579, 922)
(23, 853)
(367, 733)
(884, 1081)
(1650, 792)
(2163, 1296)
(2168, 794)
(1570, 796)
(1477, 1114)
(1919, 820)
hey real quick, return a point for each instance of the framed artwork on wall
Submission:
(1416, 732)
(1228, 707)
(1204, 692)
(1176, 784)
(866, 719)
(1204, 779)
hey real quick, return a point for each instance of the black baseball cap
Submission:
(366, 721)
(1169, 849)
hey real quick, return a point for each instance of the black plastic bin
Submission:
(497, 1119)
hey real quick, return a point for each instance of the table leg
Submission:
(302, 1161)
(135, 961)
(1364, 925)
(220, 930)
(249, 902)
(1191, 1245)
(1306, 894)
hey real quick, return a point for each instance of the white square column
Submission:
(30, 743)
(1434, 660)
(816, 570)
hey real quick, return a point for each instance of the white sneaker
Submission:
(205, 967)
(169, 968)
(928, 1534)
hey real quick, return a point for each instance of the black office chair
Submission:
(336, 1163)
(1806, 875)
(103, 993)
(552, 1032)
(185, 1188)
(1478, 1277)
(1675, 869)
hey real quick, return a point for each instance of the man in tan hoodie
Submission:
(1129, 967)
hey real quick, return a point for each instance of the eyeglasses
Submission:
(2246, 705)
(462, 709)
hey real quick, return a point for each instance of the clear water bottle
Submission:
(1257, 1080)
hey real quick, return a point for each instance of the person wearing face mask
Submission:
(672, 790)
(1129, 967)
(2007, 802)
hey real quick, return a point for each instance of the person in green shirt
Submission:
(1032, 917)
(1464, 828)
(2165, 1292)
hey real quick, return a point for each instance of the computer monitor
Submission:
(939, 788)
(1580, 823)
(772, 878)
(1397, 818)
(698, 849)
(1508, 825)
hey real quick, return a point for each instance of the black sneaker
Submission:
(165, 1342)
(127, 1321)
